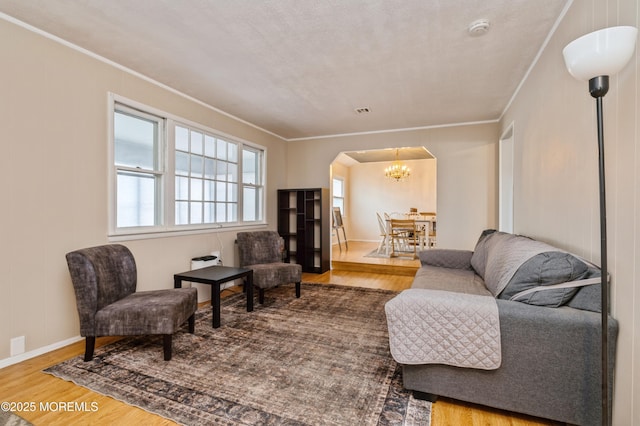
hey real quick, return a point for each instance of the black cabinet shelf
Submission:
(303, 223)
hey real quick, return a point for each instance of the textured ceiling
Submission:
(299, 68)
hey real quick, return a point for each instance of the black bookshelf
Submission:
(304, 224)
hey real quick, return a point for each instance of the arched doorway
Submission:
(366, 191)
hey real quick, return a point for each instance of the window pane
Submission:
(209, 167)
(232, 150)
(182, 163)
(134, 141)
(221, 212)
(209, 146)
(249, 169)
(209, 190)
(182, 138)
(221, 170)
(232, 172)
(182, 213)
(197, 164)
(209, 213)
(196, 189)
(338, 188)
(249, 208)
(221, 151)
(136, 200)
(196, 142)
(232, 212)
(221, 191)
(182, 188)
(196, 212)
(232, 192)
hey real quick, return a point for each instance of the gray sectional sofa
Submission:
(470, 329)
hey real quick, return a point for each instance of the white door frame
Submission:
(505, 180)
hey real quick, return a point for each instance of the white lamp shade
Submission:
(603, 52)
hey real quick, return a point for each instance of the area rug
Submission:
(322, 359)
(8, 418)
(399, 254)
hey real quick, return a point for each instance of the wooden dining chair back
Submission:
(405, 234)
(383, 247)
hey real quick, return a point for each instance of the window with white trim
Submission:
(139, 167)
(338, 194)
(172, 175)
(206, 178)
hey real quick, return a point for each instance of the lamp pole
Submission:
(598, 87)
(594, 57)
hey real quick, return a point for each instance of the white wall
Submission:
(418, 191)
(556, 175)
(53, 169)
(466, 173)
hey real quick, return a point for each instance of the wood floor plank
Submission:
(25, 382)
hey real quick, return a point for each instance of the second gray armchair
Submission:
(261, 251)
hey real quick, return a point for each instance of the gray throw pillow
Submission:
(589, 297)
(544, 269)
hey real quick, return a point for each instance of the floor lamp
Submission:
(593, 58)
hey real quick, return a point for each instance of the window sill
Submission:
(152, 234)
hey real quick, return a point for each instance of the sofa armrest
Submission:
(565, 343)
(446, 258)
(550, 366)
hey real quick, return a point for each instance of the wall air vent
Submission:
(363, 110)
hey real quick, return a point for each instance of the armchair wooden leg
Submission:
(192, 323)
(166, 343)
(298, 289)
(89, 346)
(261, 295)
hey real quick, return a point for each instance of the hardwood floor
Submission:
(26, 383)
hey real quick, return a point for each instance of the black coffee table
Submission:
(215, 276)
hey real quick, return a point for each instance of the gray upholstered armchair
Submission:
(261, 251)
(104, 279)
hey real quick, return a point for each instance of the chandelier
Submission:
(397, 171)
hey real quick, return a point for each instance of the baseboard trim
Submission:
(37, 352)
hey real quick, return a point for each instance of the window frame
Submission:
(335, 197)
(166, 202)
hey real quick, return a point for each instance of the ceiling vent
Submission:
(479, 27)
(363, 110)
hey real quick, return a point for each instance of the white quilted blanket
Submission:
(443, 327)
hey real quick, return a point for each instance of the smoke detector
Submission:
(479, 27)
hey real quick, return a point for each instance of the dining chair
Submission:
(407, 234)
(383, 247)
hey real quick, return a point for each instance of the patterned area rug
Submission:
(322, 359)
(9, 419)
(409, 255)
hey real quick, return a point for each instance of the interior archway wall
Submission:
(418, 191)
(466, 173)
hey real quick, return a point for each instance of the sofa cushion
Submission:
(481, 253)
(446, 258)
(447, 279)
(505, 254)
(589, 297)
(545, 269)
